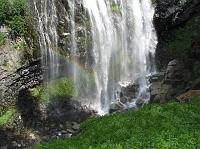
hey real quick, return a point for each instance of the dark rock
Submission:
(76, 126)
(140, 102)
(128, 91)
(171, 84)
(116, 107)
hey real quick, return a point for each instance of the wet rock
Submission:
(128, 91)
(71, 131)
(140, 102)
(76, 126)
(116, 107)
(171, 84)
(14, 144)
(186, 97)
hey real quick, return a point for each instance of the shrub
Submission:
(19, 7)
(12, 14)
(17, 24)
(62, 87)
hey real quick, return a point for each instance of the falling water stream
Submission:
(123, 47)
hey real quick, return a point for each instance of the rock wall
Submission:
(177, 55)
(18, 71)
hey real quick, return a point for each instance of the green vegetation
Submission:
(7, 116)
(168, 126)
(115, 8)
(12, 14)
(2, 38)
(60, 88)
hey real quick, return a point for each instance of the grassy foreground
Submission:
(169, 126)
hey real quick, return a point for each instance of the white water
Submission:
(124, 39)
(46, 15)
(123, 47)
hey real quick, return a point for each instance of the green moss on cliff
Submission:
(7, 116)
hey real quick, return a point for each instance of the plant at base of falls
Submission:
(60, 88)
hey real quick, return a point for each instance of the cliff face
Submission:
(178, 49)
(176, 21)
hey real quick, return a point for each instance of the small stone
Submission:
(14, 144)
(76, 126)
(61, 126)
(64, 132)
(67, 135)
(70, 131)
(4, 147)
(32, 136)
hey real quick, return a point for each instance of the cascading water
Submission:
(124, 42)
(48, 37)
(123, 47)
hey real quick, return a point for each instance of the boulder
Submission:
(128, 91)
(186, 97)
(171, 84)
(116, 107)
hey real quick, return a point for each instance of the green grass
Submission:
(170, 126)
(5, 118)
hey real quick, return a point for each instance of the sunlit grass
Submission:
(167, 126)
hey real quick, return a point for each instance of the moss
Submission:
(87, 24)
(7, 116)
(60, 88)
(115, 8)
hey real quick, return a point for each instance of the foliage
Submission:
(60, 88)
(17, 24)
(5, 118)
(115, 8)
(168, 126)
(5, 11)
(12, 14)
(2, 38)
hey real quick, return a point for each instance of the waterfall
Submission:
(47, 21)
(124, 42)
(123, 48)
